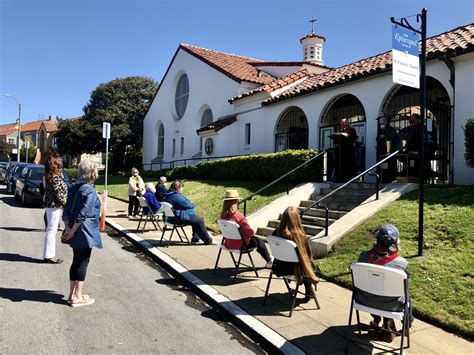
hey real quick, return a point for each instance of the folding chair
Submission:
(381, 281)
(286, 250)
(148, 216)
(175, 225)
(231, 230)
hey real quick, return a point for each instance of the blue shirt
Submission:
(183, 208)
(152, 202)
(83, 206)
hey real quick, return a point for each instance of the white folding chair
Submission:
(172, 222)
(148, 216)
(231, 230)
(287, 251)
(381, 281)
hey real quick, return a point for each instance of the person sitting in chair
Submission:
(291, 228)
(149, 195)
(385, 253)
(161, 189)
(230, 212)
(186, 213)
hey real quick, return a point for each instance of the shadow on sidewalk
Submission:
(18, 257)
(20, 295)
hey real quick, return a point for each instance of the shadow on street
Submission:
(20, 295)
(21, 258)
(22, 229)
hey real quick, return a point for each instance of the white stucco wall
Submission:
(207, 88)
(463, 110)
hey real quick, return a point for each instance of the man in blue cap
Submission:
(385, 253)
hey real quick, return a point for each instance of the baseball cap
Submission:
(388, 236)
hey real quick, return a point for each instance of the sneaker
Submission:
(214, 242)
(84, 301)
(196, 241)
(269, 264)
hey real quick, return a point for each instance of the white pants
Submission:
(53, 216)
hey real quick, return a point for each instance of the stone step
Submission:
(308, 228)
(315, 220)
(355, 185)
(341, 198)
(317, 212)
(350, 192)
(339, 206)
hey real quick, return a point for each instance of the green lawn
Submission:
(206, 195)
(441, 284)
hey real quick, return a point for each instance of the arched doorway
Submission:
(401, 104)
(291, 130)
(349, 107)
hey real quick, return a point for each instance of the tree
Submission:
(124, 103)
(31, 150)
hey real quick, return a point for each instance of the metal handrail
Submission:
(367, 171)
(249, 197)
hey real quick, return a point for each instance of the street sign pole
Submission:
(106, 135)
(422, 84)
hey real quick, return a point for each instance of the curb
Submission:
(267, 338)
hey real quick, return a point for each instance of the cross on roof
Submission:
(313, 20)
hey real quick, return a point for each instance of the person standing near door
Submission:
(345, 144)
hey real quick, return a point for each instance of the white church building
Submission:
(211, 104)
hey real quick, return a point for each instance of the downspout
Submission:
(446, 59)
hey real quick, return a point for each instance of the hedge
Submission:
(469, 142)
(255, 167)
(72, 172)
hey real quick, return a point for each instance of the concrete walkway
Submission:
(309, 330)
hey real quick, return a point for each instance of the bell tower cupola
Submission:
(313, 46)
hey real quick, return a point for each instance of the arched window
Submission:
(182, 95)
(292, 130)
(161, 141)
(206, 119)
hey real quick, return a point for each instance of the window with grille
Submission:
(182, 95)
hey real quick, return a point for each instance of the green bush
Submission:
(72, 172)
(255, 167)
(469, 142)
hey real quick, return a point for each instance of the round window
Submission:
(182, 95)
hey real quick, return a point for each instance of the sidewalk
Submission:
(309, 330)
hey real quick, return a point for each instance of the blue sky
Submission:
(53, 53)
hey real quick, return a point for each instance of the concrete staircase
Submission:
(339, 204)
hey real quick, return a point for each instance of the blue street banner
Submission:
(405, 57)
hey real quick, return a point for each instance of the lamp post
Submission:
(19, 126)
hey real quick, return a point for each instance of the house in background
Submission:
(8, 139)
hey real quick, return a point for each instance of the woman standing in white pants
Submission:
(55, 196)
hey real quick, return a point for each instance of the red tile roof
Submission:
(458, 40)
(274, 85)
(51, 126)
(5, 130)
(31, 126)
(312, 35)
(236, 67)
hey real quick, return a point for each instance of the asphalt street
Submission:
(139, 308)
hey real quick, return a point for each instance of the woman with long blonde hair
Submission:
(291, 228)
